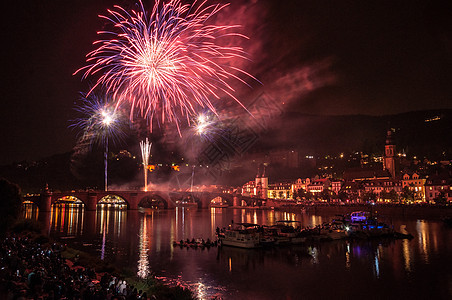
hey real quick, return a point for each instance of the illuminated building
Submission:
(437, 186)
(300, 184)
(261, 186)
(248, 188)
(319, 185)
(257, 188)
(377, 186)
(416, 184)
(280, 190)
(336, 186)
(389, 157)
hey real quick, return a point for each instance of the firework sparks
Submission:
(100, 120)
(167, 64)
(145, 154)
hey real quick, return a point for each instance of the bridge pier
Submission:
(45, 202)
(133, 202)
(236, 201)
(91, 204)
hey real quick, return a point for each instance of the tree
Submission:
(393, 196)
(342, 195)
(325, 195)
(407, 194)
(302, 193)
(384, 195)
(369, 196)
(10, 204)
(441, 199)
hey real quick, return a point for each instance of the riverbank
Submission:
(418, 211)
(34, 267)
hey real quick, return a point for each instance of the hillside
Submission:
(421, 133)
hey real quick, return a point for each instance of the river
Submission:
(371, 269)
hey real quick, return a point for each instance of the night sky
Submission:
(316, 57)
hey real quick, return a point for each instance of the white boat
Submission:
(185, 203)
(359, 216)
(243, 235)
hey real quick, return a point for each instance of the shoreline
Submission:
(55, 264)
(430, 212)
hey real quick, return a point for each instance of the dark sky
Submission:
(318, 57)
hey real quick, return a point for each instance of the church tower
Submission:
(261, 185)
(264, 183)
(389, 157)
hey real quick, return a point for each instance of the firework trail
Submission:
(100, 122)
(145, 153)
(168, 64)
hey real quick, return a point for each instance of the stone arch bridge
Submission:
(135, 199)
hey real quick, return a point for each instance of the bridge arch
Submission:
(153, 201)
(113, 200)
(69, 200)
(221, 201)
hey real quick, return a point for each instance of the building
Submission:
(336, 186)
(318, 185)
(249, 188)
(437, 187)
(261, 186)
(389, 157)
(416, 184)
(280, 190)
(300, 184)
(365, 174)
(379, 186)
(353, 190)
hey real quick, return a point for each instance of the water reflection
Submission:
(423, 230)
(30, 211)
(144, 240)
(143, 260)
(67, 218)
(110, 217)
(377, 262)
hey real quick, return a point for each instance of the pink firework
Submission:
(168, 63)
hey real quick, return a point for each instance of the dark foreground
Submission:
(32, 268)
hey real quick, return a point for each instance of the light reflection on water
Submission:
(144, 239)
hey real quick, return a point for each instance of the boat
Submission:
(288, 229)
(195, 243)
(274, 233)
(186, 202)
(362, 225)
(242, 235)
(334, 230)
(359, 216)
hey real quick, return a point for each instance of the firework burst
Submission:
(100, 120)
(168, 64)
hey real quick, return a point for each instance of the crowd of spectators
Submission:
(30, 270)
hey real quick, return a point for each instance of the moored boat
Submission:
(243, 235)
